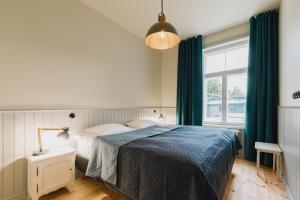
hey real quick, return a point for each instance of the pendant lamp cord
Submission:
(162, 6)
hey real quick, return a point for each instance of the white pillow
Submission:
(141, 124)
(107, 129)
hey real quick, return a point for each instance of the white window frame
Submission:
(223, 74)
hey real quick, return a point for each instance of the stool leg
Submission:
(257, 161)
(274, 161)
(280, 167)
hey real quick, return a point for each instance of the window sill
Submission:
(233, 126)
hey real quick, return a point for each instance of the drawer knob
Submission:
(71, 169)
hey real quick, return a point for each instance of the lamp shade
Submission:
(64, 134)
(162, 35)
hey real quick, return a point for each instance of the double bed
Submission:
(162, 161)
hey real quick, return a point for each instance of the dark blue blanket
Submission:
(190, 162)
(103, 158)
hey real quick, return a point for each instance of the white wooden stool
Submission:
(273, 149)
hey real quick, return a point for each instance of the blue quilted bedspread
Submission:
(182, 163)
(187, 163)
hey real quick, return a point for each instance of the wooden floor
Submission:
(244, 184)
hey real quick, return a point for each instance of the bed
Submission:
(164, 161)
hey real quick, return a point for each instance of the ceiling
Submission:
(190, 17)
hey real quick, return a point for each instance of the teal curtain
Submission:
(262, 97)
(189, 82)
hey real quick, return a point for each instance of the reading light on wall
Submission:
(161, 116)
(63, 134)
(162, 35)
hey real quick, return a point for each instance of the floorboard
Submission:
(244, 184)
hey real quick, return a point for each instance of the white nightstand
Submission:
(51, 171)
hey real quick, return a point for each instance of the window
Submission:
(225, 83)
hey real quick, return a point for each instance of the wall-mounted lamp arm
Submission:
(63, 134)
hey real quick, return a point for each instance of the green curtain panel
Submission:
(262, 97)
(189, 82)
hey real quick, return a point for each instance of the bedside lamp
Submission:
(63, 134)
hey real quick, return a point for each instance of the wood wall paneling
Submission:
(289, 141)
(1, 155)
(9, 154)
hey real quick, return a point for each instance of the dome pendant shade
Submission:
(162, 35)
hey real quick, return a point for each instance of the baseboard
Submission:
(287, 188)
(22, 196)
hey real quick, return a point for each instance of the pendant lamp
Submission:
(162, 35)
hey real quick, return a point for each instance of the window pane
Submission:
(236, 97)
(237, 58)
(215, 62)
(213, 99)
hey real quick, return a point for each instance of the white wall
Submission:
(170, 57)
(61, 54)
(289, 112)
(289, 70)
(169, 60)
(226, 35)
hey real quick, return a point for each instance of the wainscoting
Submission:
(18, 137)
(289, 141)
(169, 115)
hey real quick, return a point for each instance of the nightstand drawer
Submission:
(55, 172)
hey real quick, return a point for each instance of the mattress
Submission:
(85, 140)
(84, 144)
